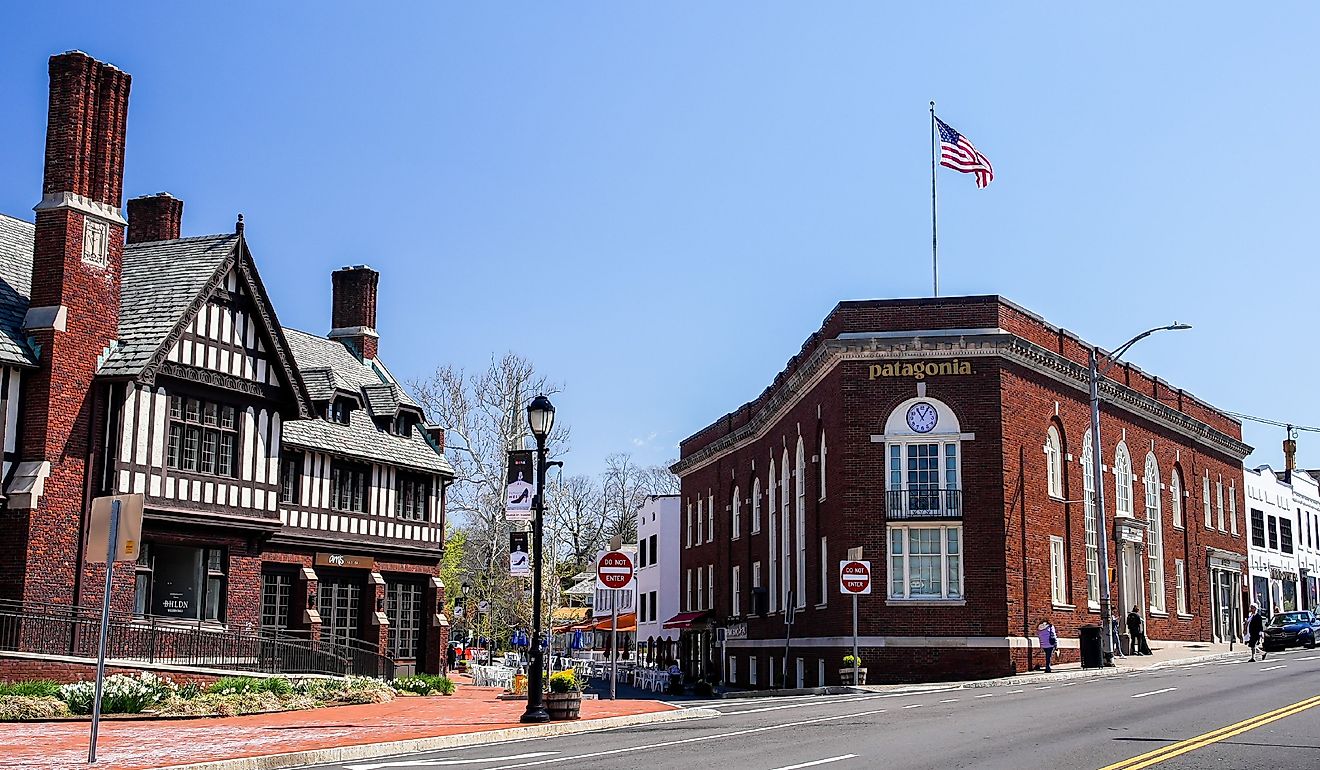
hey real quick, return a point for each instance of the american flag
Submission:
(958, 154)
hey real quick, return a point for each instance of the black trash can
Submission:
(1092, 655)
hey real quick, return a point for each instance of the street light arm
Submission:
(1113, 358)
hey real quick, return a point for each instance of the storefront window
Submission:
(275, 590)
(180, 582)
(404, 609)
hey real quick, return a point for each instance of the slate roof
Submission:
(160, 281)
(15, 289)
(361, 438)
(311, 352)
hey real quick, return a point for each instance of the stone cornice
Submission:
(75, 202)
(1008, 347)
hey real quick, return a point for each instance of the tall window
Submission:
(1092, 531)
(1274, 533)
(1205, 499)
(925, 562)
(736, 508)
(203, 437)
(1155, 552)
(800, 517)
(1181, 576)
(773, 526)
(710, 518)
(181, 582)
(687, 541)
(1176, 497)
(275, 590)
(785, 534)
(1058, 572)
(291, 477)
(737, 590)
(756, 506)
(824, 573)
(1232, 507)
(1285, 535)
(1054, 462)
(710, 587)
(821, 481)
(1219, 500)
(412, 496)
(701, 519)
(687, 592)
(403, 607)
(701, 581)
(1122, 481)
(348, 486)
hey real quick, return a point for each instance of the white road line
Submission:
(1068, 684)
(763, 709)
(447, 762)
(913, 706)
(1313, 657)
(1272, 668)
(697, 739)
(1194, 665)
(987, 695)
(1155, 692)
(1015, 692)
(817, 762)
(1046, 687)
(949, 700)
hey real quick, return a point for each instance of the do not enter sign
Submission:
(854, 577)
(614, 570)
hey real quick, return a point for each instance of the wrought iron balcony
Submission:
(923, 503)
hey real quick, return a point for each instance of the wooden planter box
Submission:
(846, 676)
(563, 705)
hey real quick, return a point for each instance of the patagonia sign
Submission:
(920, 370)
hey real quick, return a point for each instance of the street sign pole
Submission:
(614, 642)
(855, 579)
(111, 549)
(856, 663)
(789, 617)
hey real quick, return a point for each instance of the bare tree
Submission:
(659, 480)
(577, 520)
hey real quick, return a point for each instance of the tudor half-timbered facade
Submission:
(290, 484)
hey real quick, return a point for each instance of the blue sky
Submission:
(681, 192)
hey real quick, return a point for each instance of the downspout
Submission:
(1022, 506)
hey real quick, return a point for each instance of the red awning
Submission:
(627, 622)
(684, 619)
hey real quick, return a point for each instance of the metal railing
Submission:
(54, 629)
(923, 503)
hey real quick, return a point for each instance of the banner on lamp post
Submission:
(519, 486)
(520, 565)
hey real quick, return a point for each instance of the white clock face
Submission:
(921, 417)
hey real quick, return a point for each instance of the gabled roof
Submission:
(348, 373)
(16, 238)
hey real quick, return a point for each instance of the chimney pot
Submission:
(156, 217)
(353, 309)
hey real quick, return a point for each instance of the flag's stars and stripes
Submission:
(958, 154)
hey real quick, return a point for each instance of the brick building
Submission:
(949, 438)
(291, 485)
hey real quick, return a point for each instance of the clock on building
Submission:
(922, 417)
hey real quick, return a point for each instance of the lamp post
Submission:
(540, 418)
(464, 590)
(1098, 488)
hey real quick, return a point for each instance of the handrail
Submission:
(923, 503)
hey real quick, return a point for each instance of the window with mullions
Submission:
(925, 562)
(412, 496)
(275, 590)
(348, 486)
(1257, 528)
(923, 478)
(203, 436)
(291, 477)
(403, 607)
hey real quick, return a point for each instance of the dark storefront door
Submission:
(340, 608)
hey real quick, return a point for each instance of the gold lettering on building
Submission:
(920, 370)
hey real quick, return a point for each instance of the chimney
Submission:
(353, 314)
(1289, 457)
(436, 435)
(154, 218)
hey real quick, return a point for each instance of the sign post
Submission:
(614, 572)
(855, 580)
(120, 517)
(790, 614)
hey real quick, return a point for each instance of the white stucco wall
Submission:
(660, 517)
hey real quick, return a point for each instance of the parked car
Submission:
(1291, 629)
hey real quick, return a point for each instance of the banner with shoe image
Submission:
(518, 493)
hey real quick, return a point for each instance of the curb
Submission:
(460, 740)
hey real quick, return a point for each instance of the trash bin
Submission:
(1092, 656)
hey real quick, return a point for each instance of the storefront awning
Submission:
(684, 620)
(627, 622)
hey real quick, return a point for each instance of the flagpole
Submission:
(934, 230)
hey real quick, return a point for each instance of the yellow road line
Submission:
(1191, 744)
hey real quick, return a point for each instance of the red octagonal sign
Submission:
(855, 577)
(614, 570)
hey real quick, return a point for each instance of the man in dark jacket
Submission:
(451, 658)
(1255, 628)
(1137, 632)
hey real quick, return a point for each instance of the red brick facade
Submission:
(1018, 375)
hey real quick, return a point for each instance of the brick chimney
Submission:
(154, 218)
(72, 318)
(353, 314)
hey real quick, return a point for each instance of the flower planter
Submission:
(563, 705)
(846, 676)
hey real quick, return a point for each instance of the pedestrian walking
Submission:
(1137, 632)
(451, 658)
(1255, 628)
(1049, 641)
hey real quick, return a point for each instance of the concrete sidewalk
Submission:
(471, 716)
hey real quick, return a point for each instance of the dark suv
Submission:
(1291, 629)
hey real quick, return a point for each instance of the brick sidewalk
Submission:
(136, 745)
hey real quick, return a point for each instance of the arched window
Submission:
(1155, 550)
(735, 509)
(800, 520)
(756, 505)
(1176, 497)
(1122, 481)
(1054, 462)
(822, 463)
(785, 532)
(1092, 530)
(773, 526)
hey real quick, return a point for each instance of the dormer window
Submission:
(339, 411)
(402, 425)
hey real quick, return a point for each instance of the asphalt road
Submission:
(1101, 722)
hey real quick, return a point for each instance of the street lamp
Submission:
(540, 419)
(1098, 488)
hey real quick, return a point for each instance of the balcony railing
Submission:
(924, 503)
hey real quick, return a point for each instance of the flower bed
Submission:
(230, 696)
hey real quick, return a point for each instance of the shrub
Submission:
(29, 707)
(425, 684)
(234, 704)
(36, 688)
(120, 694)
(849, 661)
(238, 685)
(565, 681)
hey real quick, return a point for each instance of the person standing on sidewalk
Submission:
(1049, 641)
(451, 658)
(1255, 628)
(1137, 632)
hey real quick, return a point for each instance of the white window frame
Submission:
(1180, 575)
(1232, 508)
(733, 668)
(710, 586)
(773, 524)
(1054, 462)
(687, 597)
(1155, 548)
(756, 506)
(687, 542)
(943, 529)
(710, 518)
(1122, 481)
(737, 590)
(736, 515)
(824, 573)
(785, 534)
(1058, 572)
(751, 669)
(1219, 499)
(800, 519)
(701, 592)
(1091, 525)
(1205, 500)
(1175, 497)
(701, 518)
(823, 451)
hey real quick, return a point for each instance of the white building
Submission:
(1272, 537)
(658, 568)
(1306, 507)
